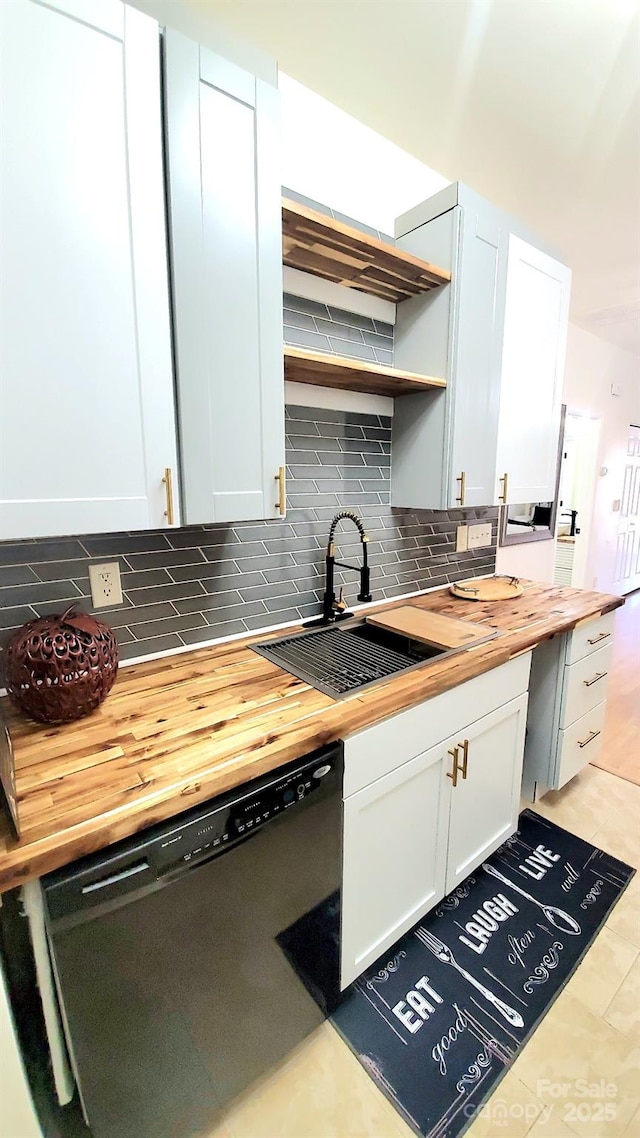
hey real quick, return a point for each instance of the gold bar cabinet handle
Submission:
(592, 736)
(281, 479)
(597, 639)
(453, 774)
(598, 676)
(465, 757)
(462, 479)
(168, 488)
(505, 482)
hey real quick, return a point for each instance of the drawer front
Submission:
(584, 685)
(380, 749)
(580, 744)
(590, 637)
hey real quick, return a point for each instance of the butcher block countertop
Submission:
(177, 731)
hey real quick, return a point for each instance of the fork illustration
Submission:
(444, 953)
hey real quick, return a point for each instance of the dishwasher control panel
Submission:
(157, 855)
(239, 819)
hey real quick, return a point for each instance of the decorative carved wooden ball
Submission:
(59, 668)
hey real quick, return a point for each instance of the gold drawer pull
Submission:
(168, 488)
(592, 736)
(597, 639)
(459, 768)
(505, 482)
(453, 774)
(598, 676)
(465, 757)
(462, 479)
(281, 479)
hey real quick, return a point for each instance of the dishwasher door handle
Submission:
(113, 878)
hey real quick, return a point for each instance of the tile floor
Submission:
(591, 1034)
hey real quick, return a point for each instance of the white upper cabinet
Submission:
(226, 259)
(87, 421)
(533, 353)
(497, 333)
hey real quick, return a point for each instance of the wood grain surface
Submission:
(319, 244)
(431, 627)
(488, 588)
(177, 731)
(324, 370)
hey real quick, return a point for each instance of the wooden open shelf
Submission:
(338, 252)
(303, 366)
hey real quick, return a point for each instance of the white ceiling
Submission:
(534, 103)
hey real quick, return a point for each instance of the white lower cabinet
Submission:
(484, 804)
(394, 857)
(410, 834)
(568, 693)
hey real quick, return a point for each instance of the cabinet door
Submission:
(535, 336)
(226, 255)
(477, 356)
(87, 425)
(444, 443)
(484, 805)
(395, 843)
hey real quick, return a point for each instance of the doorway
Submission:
(626, 576)
(576, 498)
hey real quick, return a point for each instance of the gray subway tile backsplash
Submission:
(311, 324)
(189, 586)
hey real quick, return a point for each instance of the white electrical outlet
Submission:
(105, 584)
(462, 538)
(479, 536)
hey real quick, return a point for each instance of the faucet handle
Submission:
(340, 605)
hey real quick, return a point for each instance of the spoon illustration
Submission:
(558, 917)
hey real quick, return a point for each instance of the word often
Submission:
(416, 1007)
(486, 921)
(519, 945)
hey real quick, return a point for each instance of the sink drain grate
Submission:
(334, 660)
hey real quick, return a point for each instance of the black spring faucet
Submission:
(333, 609)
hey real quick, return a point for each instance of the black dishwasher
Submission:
(191, 958)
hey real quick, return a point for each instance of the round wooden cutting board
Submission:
(487, 589)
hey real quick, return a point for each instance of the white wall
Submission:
(330, 156)
(533, 560)
(593, 365)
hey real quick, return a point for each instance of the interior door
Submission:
(88, 424)
(535, 336)
(226, 255)
(626, 576)
(485, 803)
(395, 844)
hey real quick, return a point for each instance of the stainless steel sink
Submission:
(339, 659)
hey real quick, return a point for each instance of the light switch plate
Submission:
(105, 584)
(479, 535)
(462, 537)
